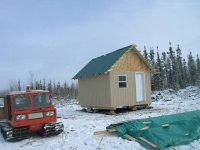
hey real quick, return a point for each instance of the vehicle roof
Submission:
(27, 92)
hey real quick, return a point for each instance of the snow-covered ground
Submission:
(80, 126)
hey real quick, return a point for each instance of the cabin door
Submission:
(140, 86)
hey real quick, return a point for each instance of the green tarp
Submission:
(183, 128)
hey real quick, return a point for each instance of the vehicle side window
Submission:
(2, 103)
(21, 102)
(46, 99)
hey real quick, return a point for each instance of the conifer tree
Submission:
(37, 85)
(185, 74)
(49, 86)
(152, 56)
(152, 61)
(44, 84)
(165, 71)
(159, 76)
(65, 89)
(198, 68)
(179, 67)
(54, 89)
(58, 89)
(173, 71)
(145, 53)
(192, 70)
(19, 85)
(40, 85)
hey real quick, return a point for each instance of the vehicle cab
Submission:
(24, 112)
(32, 108)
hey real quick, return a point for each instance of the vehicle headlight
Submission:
(20, 117)
(50, 113)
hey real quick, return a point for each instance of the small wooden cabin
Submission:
(115, 80)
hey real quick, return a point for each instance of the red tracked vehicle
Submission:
(25, 112)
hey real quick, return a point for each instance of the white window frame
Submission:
(122, 81)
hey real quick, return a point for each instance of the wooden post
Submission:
(145, 128)
(148, 142)
(147, 122)
(165, 125)
(130, 138)
(105, 131)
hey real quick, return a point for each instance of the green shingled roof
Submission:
(101, 64)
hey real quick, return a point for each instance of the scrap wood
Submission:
(100, 132)
(130, 138)
(111, 130)
(145, 128)
(165, 125)
(105, 131)
(147, 122)
(148, 142)
(121, 122)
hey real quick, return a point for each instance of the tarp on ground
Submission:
(183, 128)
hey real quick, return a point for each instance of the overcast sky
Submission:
(54, 39)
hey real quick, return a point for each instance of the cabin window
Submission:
(122, 81)
(1, 102)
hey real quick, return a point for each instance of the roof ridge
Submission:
(102, 63)
(112, 52)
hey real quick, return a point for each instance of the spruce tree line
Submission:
(65, 90)
(172, 70)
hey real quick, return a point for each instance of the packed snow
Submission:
(80, 126)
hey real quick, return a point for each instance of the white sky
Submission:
(55, 39)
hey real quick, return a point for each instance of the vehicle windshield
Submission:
(41, 100)
(21, 102)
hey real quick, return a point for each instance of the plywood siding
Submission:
(128, 65)
(95, 91)
(127, 96)
(130, 62)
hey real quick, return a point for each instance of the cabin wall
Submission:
(95, 91)
(128, 65)
(103, 92)
(127, 96)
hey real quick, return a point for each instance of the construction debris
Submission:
(155, 133)
(105, 131)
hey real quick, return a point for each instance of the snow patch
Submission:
(80, 126)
